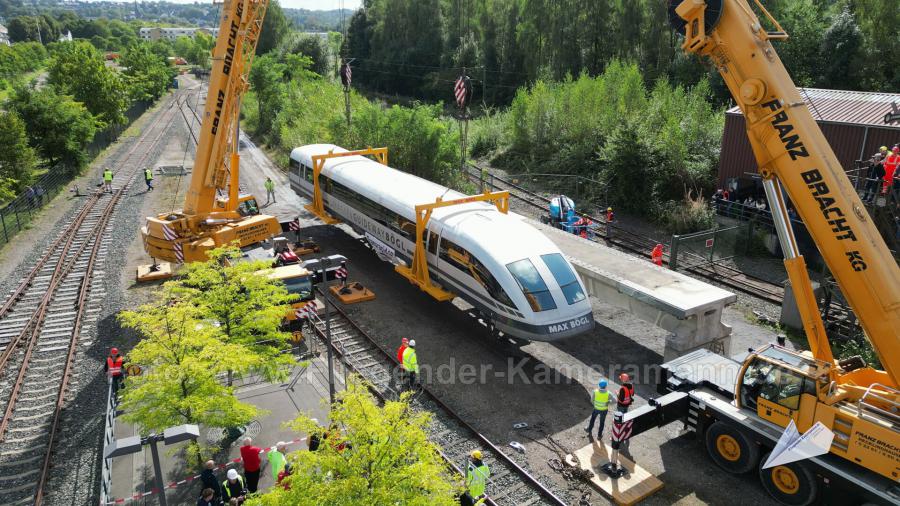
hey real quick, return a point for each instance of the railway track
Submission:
(43, 322)
(509, 482)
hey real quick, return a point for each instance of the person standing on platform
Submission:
(600, 399)
(252, 462)
(411, 363)
(890, 165)
(270, 191)
(209, 481)
(626, 393)
(277, 459)
(657, 255)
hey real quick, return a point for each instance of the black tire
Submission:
(730, 449)
(793, 484)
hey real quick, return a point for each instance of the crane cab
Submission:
(247, 204)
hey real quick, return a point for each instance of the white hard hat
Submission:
(412, 343)
(232, 474)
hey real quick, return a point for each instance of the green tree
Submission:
(841, 52)
(182, 356)
(275, 27)
(58, 127)
(391, 460)
(16, 156)
(248, 306)
(805, 21)
(146, 73)
(78, 69)
(313, 47)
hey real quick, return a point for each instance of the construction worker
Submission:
(477, 475)
(600, 398)
(270, 191)
(233, 487)
(610, 215)
(875, 175)
(657, 255)
(626, 393)
(107, 180)
(148, 178)
(113, 367)
(411, 363)
(890, 166)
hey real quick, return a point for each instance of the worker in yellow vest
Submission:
(107, 180)
(600, 398)
(477, 475)
(411, 363)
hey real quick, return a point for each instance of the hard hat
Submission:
(624, 377)
(896, 149)
(609, 209)
(232, 474)
(412, 343)
(883, 148)
(114, 351)
(476, 454)
(602, 383)
(405, 340)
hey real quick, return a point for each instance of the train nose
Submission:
(571, 327)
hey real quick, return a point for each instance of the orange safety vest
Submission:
(114, 366)
(657, 255)
(628, 398)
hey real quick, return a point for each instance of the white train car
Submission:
(509, 271)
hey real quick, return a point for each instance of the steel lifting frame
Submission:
(317, 206)
(417, 272)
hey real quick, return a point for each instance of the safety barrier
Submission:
(109, 435)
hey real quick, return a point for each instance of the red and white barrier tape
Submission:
(175, 484)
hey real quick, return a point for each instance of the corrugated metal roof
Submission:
(852, 107)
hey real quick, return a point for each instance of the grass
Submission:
(27, 77)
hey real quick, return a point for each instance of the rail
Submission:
(528, 479)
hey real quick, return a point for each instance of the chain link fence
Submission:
(709, 246)
(16, 215)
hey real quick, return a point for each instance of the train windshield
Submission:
(300, 286)
(564, 275)
(532, 285)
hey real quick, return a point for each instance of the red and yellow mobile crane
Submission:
(208, 220)
(741, 408)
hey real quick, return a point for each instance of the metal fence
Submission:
(16, 214)
(708, 247)
(109, 436)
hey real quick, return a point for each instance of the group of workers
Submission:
(409, 361)
(235, 489)
(883, 173)
(601, 399)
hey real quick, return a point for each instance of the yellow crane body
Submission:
(860, 404)
(210, 216)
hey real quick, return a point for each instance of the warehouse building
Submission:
(852, 121)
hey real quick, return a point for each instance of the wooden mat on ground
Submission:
(634, 486)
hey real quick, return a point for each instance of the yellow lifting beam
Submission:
(417, 272)
(317, 206)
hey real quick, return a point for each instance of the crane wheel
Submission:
(730, 449)
(792, 484)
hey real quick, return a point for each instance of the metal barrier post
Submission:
(3, 220)
(673, 253)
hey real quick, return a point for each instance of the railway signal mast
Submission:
(211, 216)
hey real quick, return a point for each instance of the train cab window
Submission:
(566, 278)
(532, 285)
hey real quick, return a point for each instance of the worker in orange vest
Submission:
(657, 254)
(113, 367)
(404, 343)
(890, 166)
(626, 393)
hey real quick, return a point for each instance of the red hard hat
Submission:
(624, 377)
(405, 340)
(114, 351)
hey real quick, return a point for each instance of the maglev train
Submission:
(510, 272)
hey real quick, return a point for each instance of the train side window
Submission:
(532, 285)
(407, 228)
(432, 243)
(307, 173)
(566, 278)
(458, 257)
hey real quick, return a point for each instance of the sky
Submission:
(318, 5)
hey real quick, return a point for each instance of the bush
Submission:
(686, 216)
(487, 134)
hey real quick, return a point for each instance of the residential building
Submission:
(4, 35)
(172, 33)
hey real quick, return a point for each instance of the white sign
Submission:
(384, 251)
(792, 446)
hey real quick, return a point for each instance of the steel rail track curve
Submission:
(449, 430)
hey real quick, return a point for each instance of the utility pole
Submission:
(346, 79)
(324, 262)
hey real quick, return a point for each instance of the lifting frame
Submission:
(317, 206)
(417, 272)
